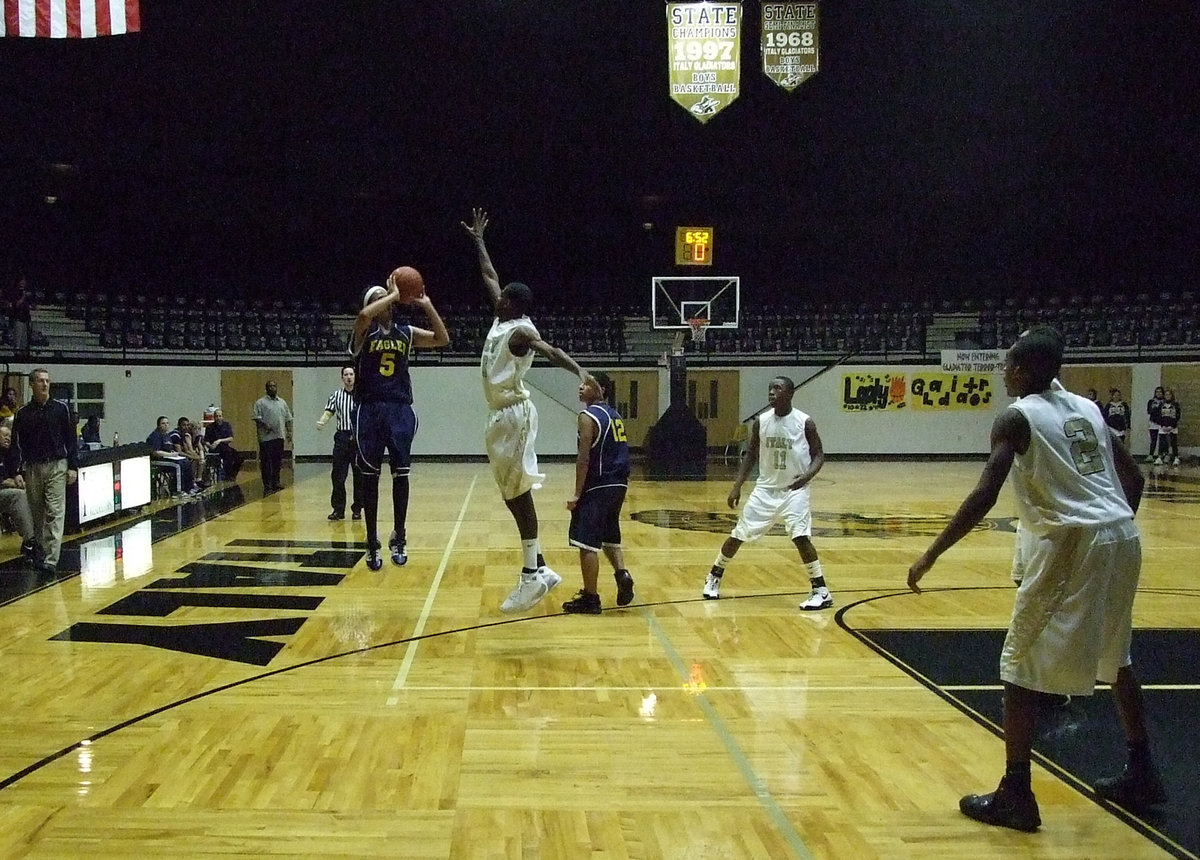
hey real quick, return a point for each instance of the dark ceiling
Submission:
(305, 147)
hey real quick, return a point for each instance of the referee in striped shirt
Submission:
(341, 405)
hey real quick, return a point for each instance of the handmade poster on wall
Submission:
(950, 391)
(704, 41)
(789, 43)
(872, 392)
(973, 360)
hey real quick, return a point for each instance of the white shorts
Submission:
(510, 436)
(1073, 617)
(765, 507)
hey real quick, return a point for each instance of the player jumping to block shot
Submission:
(508, 353)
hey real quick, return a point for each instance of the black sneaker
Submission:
(1135, 788)
(583, 604)
(1004, 807)
(356, 515)
(31, 551)
(624, 587)
(374, 557)
(399, 551)
(336, 516)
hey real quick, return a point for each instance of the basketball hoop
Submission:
(699, 326)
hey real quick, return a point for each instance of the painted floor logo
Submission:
(825, 523)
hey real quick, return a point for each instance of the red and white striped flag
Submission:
(70, 19)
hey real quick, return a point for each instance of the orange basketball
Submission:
(409, 282)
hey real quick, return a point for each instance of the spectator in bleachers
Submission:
(162, 449)
(91, 431)
(218, 439)
(1117, 414)
(14, 503)
(20, 316)
(8, 405)
(1152, 407)
(1169, 413)
(181, 441)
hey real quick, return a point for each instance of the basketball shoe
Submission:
(530, 589)
(374, 557)
(1135, 789)
(712, 585)
(1004, 807)
(583, 604)
(624, 587)
(819, 599)
(398, 549)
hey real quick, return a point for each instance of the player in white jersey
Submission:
(785, 444)
(1077, 489)
(511, 432)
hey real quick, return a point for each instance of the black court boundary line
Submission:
(11, 780)
(1141, 826)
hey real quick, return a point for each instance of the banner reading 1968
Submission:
(789, 43)
(704, 40)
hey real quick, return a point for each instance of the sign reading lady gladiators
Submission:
(789, 43)
(704, 40)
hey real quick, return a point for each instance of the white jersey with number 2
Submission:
(1067, 476)
(782, 448)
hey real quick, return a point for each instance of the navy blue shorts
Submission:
(381, 425)
(596, 520)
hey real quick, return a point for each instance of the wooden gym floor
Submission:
(226, 678)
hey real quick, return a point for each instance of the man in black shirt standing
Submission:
(44, 438)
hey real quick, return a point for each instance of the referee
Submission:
(341, 404)
(48, 456)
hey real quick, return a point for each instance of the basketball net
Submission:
(699, 326)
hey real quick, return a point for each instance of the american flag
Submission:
(70, 19)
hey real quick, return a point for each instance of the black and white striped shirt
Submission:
(341, 404)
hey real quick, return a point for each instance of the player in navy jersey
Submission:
(386, 420)
(601, 481)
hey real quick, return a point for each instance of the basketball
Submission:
(409, 283)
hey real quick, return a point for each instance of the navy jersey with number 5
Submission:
(382, 374)
(608, 465)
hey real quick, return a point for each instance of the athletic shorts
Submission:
(596, 520)
(765, 507)
(510, 436)
(1073, 618)
(385, 424)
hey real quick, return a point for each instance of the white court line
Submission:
(410, 653)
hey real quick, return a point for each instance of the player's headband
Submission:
(373, 293)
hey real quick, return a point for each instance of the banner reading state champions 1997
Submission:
(704, 40)
(789, 43)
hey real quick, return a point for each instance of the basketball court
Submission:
(226, 678)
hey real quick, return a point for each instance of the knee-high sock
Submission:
(370, 490)
(399, 504)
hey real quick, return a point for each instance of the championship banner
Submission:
(789, 43)
(872, 392)
(951, 391)
(704, 40)
(973, 360)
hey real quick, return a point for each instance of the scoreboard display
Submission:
(693, 246)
